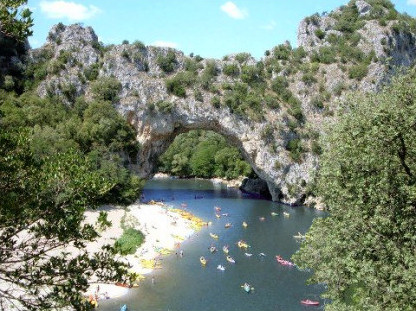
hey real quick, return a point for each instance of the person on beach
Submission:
(181, 253)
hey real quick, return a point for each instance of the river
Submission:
(184, 285)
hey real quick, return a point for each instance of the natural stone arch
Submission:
(156, 131)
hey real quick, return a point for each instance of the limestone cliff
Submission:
(272, 109)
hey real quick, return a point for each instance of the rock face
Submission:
(256, 186)
(159, 116)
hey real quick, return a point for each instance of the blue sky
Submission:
(210, 28)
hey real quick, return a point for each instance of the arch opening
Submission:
(189, 152)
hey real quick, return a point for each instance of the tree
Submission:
(365, 251)
(41, 214)
(15, 21)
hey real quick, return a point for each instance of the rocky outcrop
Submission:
(159, 116)
(256, 186)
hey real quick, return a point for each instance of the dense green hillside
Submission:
(203, 154)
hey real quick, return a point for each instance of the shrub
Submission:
(282, 51)
(128, 243)
(125, 42)
(216, 102)
(358, 72)
(231, 70)
(242, 57)
(309, 78)
(106, 88)
(316, 148)
(167, 63)
(139, 45)
(294, 146)
(178, 83)
(91, 73)
(320, 33)
(198, 96)
(164, 106)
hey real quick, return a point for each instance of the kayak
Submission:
(230, 259)
(245, 224)
(227, 225)
(247, 288)
(286, 214)
(274, 213)
(248, 255)
(284, 262)
(217, 209)
(203, 260)
(123, 308)
(212, 249)
(214, 236)
(309, 302)
(299, 236)
(221, 267)
(218, 215)
(225, 249)
(242, 244)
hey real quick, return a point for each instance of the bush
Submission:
(91, 73)
(320, 33)
(294, 146)
(216, 102)
(358, 72)
(164, 106)
(231, 70)
(129, 242)
(106, 88)
(178, 83)
(242, 57)
(282, 52)
(167, 63)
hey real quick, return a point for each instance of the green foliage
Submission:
(208, 75)
(129, 242)
(295, 148)
(216, 101)
(358, 72)
(164, 106)
(106, 88)
(15, 19)
(91, 72)
(177, 85)
(203, 154)
(167, 62)
(231, 70)
(242, 57)
(282, 51)
(320, 33)
(364, 251)
(49, 196)
(192, 65)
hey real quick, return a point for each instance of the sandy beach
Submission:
(164, 229)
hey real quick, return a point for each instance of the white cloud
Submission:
(269, 26)
(411, 2)
(234, 11)
(70, 10)
(165, 44)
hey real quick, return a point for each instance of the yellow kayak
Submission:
(214, 236)
(242, 244)
(203, 260)
(245, 224)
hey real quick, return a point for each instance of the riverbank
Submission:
(164, 229)
(231, 183)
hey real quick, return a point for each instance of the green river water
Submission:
(183, 285)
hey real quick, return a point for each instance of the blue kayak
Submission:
(123, 308)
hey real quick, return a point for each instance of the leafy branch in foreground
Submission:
(365, 251)
(15, 21)
(41, 214)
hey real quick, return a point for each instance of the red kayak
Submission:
(309, 302)
(284, 262)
